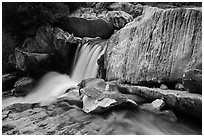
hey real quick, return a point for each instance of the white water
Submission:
(54, 84)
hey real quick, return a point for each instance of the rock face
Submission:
(158, 46)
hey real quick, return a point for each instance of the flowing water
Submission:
(54, 84)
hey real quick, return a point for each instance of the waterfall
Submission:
(53, 84)
(86, 65)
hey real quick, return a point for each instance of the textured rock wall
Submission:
(159, 45)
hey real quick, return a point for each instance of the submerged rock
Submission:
(159, 46)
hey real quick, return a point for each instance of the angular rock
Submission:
(192, 81)
(164, 87)
(184, 102)
(92, 82)
(179, 86)
(50, 49)
(119, 18)
(158, 104)
(96, 101)
(134, 10)
(160, 46)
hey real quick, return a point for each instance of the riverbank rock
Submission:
(192, 81)
(181, 101)
(97, 101)
(159, 46)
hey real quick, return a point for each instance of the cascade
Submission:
(86, 65)
(53, 84)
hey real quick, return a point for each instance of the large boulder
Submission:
(159, 46)
(51, 49)
(181, 101)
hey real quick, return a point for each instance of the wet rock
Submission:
(184, 102)
(151, 48)
(23, 86)
(158, 104)
(192, 81)
(164, 87)
(101, 71)
(179, 86)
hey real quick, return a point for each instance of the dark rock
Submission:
(82, 27)
(101, 70)
(23, 86)
(8, 80)
(31, 62)
(151, 49)
(6, 128)
(192, 81)
(50, 49)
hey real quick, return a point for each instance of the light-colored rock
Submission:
(179, 86)
(96, 101)
(164, 87)
(119, 18)
(158, 104)
(182, 101)
(134, 10)
(159, 46)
